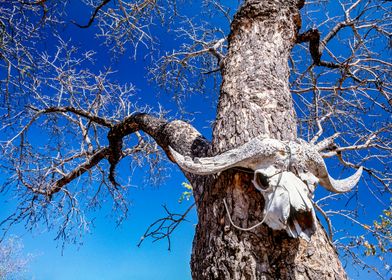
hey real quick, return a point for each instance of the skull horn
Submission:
(341, 186)
(249, 155)
(262, 152)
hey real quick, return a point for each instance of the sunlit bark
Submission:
(254, 100)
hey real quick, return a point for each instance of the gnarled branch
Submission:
(92, 18)
(178, 134)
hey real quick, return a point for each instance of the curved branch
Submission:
(315, 47)
(39, 2)
(79, 112)
(92, 18)
(78, 171)
(164, 227)
(178, 134)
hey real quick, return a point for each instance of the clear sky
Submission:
(110, 251)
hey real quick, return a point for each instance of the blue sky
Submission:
(110, 252)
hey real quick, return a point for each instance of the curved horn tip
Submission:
(176, 155)
(200, 166)
(344, 185)
(181, 160)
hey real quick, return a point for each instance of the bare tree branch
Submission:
(92, 18)
(163, 228)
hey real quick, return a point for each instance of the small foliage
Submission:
(186, 195)
(382, 233)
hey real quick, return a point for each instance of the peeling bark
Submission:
(254, 100)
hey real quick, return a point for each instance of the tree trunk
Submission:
(254, 99)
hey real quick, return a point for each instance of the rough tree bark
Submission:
(254, 99)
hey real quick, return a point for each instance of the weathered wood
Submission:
(254, 100)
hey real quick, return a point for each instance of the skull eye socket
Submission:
(261, 180)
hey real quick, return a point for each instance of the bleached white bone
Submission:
(266, 151)
(288, 206)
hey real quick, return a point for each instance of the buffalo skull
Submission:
(285, 172)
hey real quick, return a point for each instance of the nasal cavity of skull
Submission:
(261, 180)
